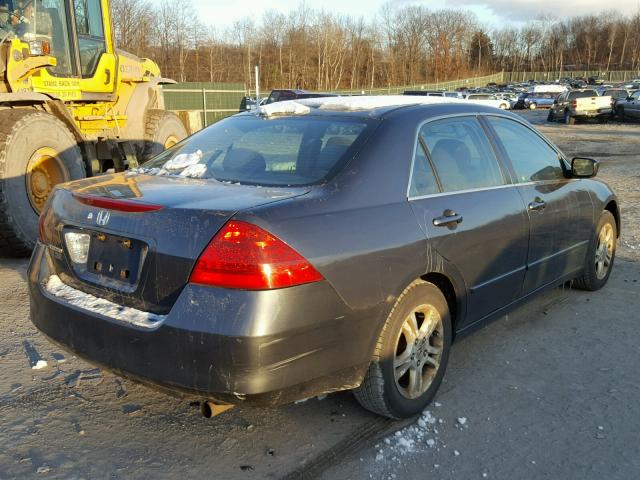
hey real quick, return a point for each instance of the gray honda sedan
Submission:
(318, 245)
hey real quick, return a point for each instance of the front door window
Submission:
(91, 42)
(42, 24)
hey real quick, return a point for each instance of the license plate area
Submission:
(116, 258)
(112, 261)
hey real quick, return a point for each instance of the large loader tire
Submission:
(162, 130)
(37, 151)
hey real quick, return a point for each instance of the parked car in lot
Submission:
(579, 105)
(539, 100)
(281, 95)
(433, 93)
(510, 97)
(488, 99)
(279, 255)
(617, 95)
(250, 103)
(630, 107)
(520, 101)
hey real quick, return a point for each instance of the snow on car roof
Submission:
(304, 106)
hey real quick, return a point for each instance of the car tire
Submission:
(532, 106)
(620, 114)
(37, 151)
(551, 117)
(403, 377)
(601, 255)
(568, 119)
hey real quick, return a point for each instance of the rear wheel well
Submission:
(612, 207)
(448, 290)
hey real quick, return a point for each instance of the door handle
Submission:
(537, 204)
(448, 219)
(108, 75)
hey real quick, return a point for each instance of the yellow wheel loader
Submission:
(71, 106)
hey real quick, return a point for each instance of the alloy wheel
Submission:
(419, 348)
(604, 251)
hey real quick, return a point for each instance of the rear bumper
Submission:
(228, 345)
(592, 113)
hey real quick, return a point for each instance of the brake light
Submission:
(116, 204)
(245, 256)
(574, 104)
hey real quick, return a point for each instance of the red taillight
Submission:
(116, 204)
(574, 104)
(245, 256)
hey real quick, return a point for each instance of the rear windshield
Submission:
(586, 93)
(615, 93)
(291, 151)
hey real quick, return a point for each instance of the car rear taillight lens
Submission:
(574, 104)
(128, 206)
(245, 256)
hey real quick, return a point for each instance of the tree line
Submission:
(408, 45)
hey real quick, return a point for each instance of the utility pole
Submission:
(257, 85)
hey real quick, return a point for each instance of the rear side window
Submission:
(423, 181)
(272, 152)
(532, 158)
(461, 154)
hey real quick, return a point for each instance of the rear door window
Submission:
(423, 180)
(461, 154)
(532, 158)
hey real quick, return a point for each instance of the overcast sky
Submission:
(222, 13)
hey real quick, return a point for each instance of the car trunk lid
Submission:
(138, 237)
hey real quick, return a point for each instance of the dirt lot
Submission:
(551, 391)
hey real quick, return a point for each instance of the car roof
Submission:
(369, 106)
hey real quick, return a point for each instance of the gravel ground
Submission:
(549, 391)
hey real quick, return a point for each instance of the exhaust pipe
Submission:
(210, 409)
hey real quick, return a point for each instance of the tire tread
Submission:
(12, 121)
(370, 394)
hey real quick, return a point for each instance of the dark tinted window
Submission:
(532, 158)
(461, 154)
(617, 94)
(423, 181)
(264, 151)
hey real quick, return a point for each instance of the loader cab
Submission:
(77, 33)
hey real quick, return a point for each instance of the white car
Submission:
(512, 98)
(488, 99)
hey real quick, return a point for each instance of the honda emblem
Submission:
(103, 218)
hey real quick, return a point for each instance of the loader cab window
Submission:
(91, 41)
(41, 24)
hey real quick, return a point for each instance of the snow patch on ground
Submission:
(40, 365)
(421, 437)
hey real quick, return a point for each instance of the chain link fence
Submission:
(214, 101)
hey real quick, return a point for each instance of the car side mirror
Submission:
(629, 99)
(584, 167)
(555, 102)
